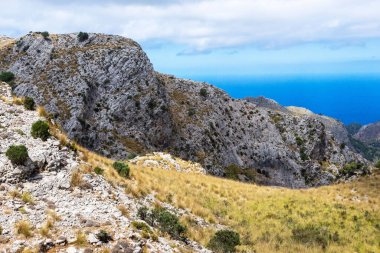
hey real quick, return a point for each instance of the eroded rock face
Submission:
(41, 192)
(106, 95)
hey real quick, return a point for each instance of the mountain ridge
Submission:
(107, 96)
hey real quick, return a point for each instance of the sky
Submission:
(221, 37)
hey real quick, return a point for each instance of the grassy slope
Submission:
(266, 217)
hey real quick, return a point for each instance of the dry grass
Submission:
(24, 228)
(46, 228)
(81, 239)
(26, 197)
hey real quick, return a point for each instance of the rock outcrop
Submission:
(106, 95)
(41, 198)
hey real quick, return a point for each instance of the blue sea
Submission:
(348, 98)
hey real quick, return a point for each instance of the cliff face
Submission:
(107, 96)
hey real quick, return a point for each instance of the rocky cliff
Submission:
(106, 95)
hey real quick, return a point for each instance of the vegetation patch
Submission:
(82, 36)
(7, 76)
(18, 154)
(313, 234)
(224, 241)
(121, 168)
(233, 171)
(103, 236)
(164, 220)
(29, 103)
(40, 129)
(353, 168)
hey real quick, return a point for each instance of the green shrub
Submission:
(164, 220)
(7, 76)
(131, 156)
(203, 92)
(103, 236)
(191, 112)
(377, 165)
(45, 35)
(224, 241)
(351, 169)
(18, 154)
(168, 223)
(314, 235)
(303, 154)
(40, 129)
(121, 168)
(299, 141)
(82, 36)
(98, 171)
(141, 226)
(143, 213)
(29, 103)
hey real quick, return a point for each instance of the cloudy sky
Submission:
(221, 37)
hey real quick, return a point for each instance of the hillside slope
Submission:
(106, 95)
(56, 201)
(59, 202)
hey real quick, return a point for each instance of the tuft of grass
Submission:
(26, 197)
(124, 210)
(24, 228)
(46, 228)
(81, 239)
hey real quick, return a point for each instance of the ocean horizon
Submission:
(348, 98)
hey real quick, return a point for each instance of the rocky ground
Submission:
(41, 194)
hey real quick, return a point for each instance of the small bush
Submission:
(143, 213)
(299, 141)
(191, 112)
(131, 156)
(351, 169)
(40, 129)
(203, 92)
(103, 236)
(29, 103)
(169, 223)
(121, 168)
(45, 35)
(303, 154)
(82, 36)
(141, 226)
(7, 76)
(18, 154)
(224, 241)
(164, 220)
(377, 165)
(98, 171)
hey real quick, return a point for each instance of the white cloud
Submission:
(202, 25)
